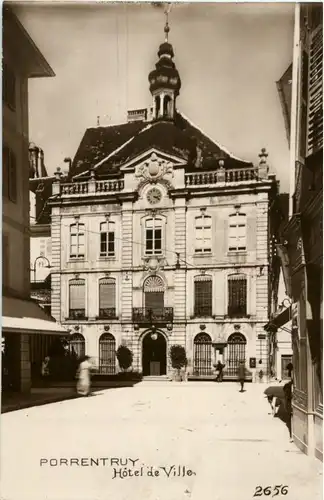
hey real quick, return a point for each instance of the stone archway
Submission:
(154, 354)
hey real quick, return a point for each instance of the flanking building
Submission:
(161, 237)
(23, 321)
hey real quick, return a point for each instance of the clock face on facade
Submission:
(154, 195)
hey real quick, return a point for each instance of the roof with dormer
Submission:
(107, 148)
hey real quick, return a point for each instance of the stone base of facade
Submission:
(307, 430)
(205, 343)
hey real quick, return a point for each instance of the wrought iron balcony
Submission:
(153, 315)
(107, 313)
(77, 314)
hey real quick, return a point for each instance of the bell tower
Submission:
(165, 81)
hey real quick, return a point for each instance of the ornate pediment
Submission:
(154, 169)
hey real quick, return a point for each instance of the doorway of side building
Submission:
(154, 354)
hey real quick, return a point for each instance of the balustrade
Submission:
(218, 176)
(82, 188)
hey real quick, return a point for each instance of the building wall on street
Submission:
(15, 211)
(21, 59)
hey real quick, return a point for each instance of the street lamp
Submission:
(48, 266)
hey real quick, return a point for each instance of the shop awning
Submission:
(26, 316)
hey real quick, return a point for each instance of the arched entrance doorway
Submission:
(235, 352)
(154, 354)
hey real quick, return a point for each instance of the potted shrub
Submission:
(178, 360)
(125, 357)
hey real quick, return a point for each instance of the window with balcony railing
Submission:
(237, 296)
(107, 298)
(203, 296)
(77, 299)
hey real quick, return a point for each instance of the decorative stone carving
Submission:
(107, 328)
(154, 169)
(153, 264)
(202, 327)
(237, 327)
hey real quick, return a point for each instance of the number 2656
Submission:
(271, 490)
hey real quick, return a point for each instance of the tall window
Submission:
(236, 352)
(9, 87)
(107, 354)
(203, 227)
(153, 236)
(9, 174)
(77, 299)
(203, 296)
(77, 241)
(237, 295)
(107, 298)
(237, 232)
(107, 239)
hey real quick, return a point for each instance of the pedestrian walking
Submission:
(241, 374)
(219, 371)
(288, 389)
(84, 376)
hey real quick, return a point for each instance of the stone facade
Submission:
(176, 266)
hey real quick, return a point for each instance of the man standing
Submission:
(241, 374)
(219, 371)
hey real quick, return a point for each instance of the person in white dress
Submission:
(84, 376)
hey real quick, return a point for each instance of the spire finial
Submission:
(167, 27)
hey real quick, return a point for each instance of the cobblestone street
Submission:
(227, 438)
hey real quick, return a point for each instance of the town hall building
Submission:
(160, 236)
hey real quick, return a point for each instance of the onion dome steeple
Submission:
(164, 80)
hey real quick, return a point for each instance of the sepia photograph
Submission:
(162, 250)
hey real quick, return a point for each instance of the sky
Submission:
(229, 57)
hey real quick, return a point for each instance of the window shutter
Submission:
(203, 295)
(107, 294)
(77, 294)
(315, 113)
(154, 300)
(237, 295)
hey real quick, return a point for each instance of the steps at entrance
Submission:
(156, 378)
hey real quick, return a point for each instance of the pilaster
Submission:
(127, 263)
(56, 264)
(180, 274)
